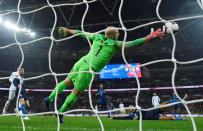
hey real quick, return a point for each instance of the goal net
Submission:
(53, 40)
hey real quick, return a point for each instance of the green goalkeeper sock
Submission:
(61, 86)
(70, 100)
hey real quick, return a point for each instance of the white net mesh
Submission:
(52, 73)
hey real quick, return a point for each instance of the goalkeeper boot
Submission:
(47, 103)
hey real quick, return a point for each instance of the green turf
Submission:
(49, 123)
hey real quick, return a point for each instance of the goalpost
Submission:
(52, 73)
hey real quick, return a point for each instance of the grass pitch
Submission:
(49, 123)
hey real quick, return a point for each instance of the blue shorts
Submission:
(151, 115)
(176, 106)
(156, 114)
(103, 102)
(22, 94)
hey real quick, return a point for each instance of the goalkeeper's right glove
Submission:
(62, 31)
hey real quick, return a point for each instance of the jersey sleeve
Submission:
(130, 44)
(90, 36)
(13, 76)
(16, 82)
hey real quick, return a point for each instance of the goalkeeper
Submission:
(103, 48)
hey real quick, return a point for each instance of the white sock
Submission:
(6, 105)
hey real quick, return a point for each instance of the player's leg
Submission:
(61, 86)
(81, 82)
(121, 110)
(107, 107)
(22, 107)
(23, 100)
(175, 107)
(163, 103)
(10, 98)
(103, 106)
(27, 103)
(100, 104)
(6, 106)
(70, 100)
(64, 84)
(178, 111)
(166, 118)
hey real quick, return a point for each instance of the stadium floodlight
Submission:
(7, 24)
(23, 29)
(32, 34)
(28, 30)
(14, 27)
(11, 26)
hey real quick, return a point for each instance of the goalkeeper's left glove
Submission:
(155, 35)
(62, 31)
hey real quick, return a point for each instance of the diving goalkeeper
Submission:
(103, 48)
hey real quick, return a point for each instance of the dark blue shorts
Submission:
(151, 115)
(22, 94)
(156, 114)
(176, 106)
(103, 102)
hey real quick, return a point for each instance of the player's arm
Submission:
(65, 32)
(16, 82)
(97, 93)
(153, 100)
(185, 97)
(12, 77)
(130, 44)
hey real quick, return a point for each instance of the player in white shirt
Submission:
(16, 79)
(12, 89)
(155, 100)
(121, 106)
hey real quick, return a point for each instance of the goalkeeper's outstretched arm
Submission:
(65, 32)
(130, 44)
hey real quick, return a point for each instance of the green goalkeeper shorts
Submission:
(81, 81)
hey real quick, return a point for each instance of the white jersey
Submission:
(155, 101)
(11, 78)
(121, 106)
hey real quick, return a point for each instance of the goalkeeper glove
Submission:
(62, 31)
(155, 35)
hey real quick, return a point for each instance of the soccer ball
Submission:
(171, 25)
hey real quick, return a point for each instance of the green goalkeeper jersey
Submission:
(102, 50)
